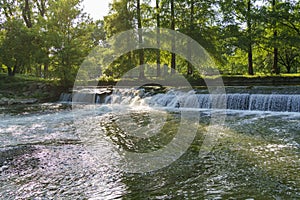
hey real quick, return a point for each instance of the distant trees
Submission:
(50, 39)
(280, 23)
(16, 47)
(183, 16)
(243, 36)
(241, 28)
(258, 28)
(44, 35)
(120, 18)
(70, 34)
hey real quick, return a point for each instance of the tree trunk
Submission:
(289, 60)
(14, 70)
(158, 39)
(173, 55)
(250, 61)
(249, 26)
(39, 70)
(288, 68)
(46, 66)
(190, 68)
(41, 7)
(140, 36)
(10, 71)
(275, 60)
(26, 13)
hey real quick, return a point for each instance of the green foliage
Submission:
(51, 39)
(15, 47)
(72, 38)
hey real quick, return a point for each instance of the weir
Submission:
(179, 99)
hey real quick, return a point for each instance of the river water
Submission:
(53, 151)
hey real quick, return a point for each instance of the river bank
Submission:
(29, 90)
(227, 80)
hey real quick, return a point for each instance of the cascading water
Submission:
(87, 96)
(65, 97)
(179, 99)
(275, 102)
(124, 96)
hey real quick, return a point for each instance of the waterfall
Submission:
(125, 96)
(238, 101)
(86, 96)
(65, 97)
(275, 102)
(179, 99)
(81, 97)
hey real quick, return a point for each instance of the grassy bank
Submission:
(24, 87)
(259, 80)
(227, 80)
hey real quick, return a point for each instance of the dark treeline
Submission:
(51, 38)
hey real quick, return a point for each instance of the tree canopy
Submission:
(50, 39)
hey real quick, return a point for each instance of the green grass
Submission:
(24, 86)
(260, 75)
(19, 80)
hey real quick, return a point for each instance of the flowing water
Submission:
(56, 151)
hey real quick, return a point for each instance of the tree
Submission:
(173, 55)
(140, 38)
(241, 27)
(276, 69)
(191, 32)
(289, 57)
(158, 59)
(69, 29)
(119, 19)
(288, 37)
(281, 24)
(27, 12)
(197, 20)
(249, 27)
(16, 47)
(32, 15)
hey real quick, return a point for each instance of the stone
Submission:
(11, 101)
(28, 101)
(27, 93)
(4, 101)
(32, 87)
(40, 85)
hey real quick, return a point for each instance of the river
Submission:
(60, 151)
